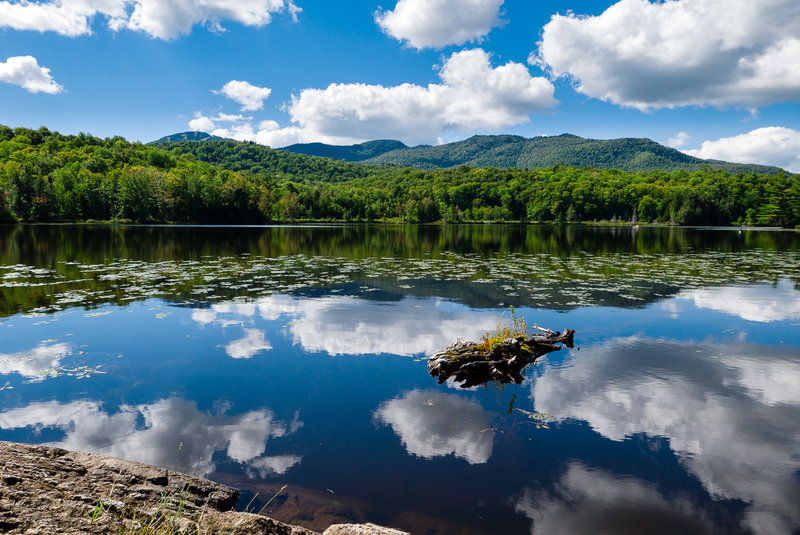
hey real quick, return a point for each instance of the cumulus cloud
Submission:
(26, 72)
(473, 96)
(232, 126)
(201, 123)
(66, 18)
(163, 20)
(438, 23)
(151, 433)
(729, 412)
(431, 425)
(650, 55)
(771, 145)
(680, 139)
(251, 97)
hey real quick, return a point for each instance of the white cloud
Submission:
(239, 128)
(729, 412)
(70, 18)
(473, 96)
(268, 125)
(26, 72)
(251, 97)
(680, 53)
(34, 362)
(163, 20)
(431, 424)
(771, 145)
(151, 433)
(679, 140)
(201, 123)
(250, 345)
(438, 23)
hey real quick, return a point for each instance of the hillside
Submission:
(507, 151)
(350, 153)
(186, 136)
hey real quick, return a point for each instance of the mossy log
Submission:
(472, 364)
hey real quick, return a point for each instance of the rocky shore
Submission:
(45, 491)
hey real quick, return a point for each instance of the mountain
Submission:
(186, 136)
(350, 153)
(507, 151)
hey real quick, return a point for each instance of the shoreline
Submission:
(46, 490)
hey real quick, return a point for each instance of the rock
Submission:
(361, 529)
(47, 490)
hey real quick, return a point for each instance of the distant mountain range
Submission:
(507, 151)
(186, 136)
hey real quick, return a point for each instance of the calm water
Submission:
(263, 357)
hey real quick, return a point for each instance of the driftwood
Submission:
(472, 364)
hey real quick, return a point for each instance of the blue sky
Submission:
(717, 78)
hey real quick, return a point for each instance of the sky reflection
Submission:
(431, 424)
(171, 432)
(280, 356)
(730, 412)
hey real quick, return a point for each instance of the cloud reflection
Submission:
(246, 347)
(347, 325)
(33, 363)
(587, 501)
(760, 302)
(730, 412)
(431, 424)
(170, 432)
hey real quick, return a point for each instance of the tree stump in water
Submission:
(472, 364)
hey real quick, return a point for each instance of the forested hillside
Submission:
(187, 136)
(45, 176)
(627, 154)
(350, 153)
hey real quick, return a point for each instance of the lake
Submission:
(263, 357)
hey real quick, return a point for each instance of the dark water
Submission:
(263, 357)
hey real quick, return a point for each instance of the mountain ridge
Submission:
(511, 151)
(190, 135)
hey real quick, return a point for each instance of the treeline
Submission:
(45, 176)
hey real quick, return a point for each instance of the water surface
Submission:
(263, 357)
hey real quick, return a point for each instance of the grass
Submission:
(171, 517)
(519, 327)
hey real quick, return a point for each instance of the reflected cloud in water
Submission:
(171, 432)
(587, 501)
(348, 325)
(33, 364)
(760, 302)
(431, 424)
(244, 348)
(731, 413)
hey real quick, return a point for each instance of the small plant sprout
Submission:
(96, 512)
(519, 327)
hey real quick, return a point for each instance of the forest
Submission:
(49, 177)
